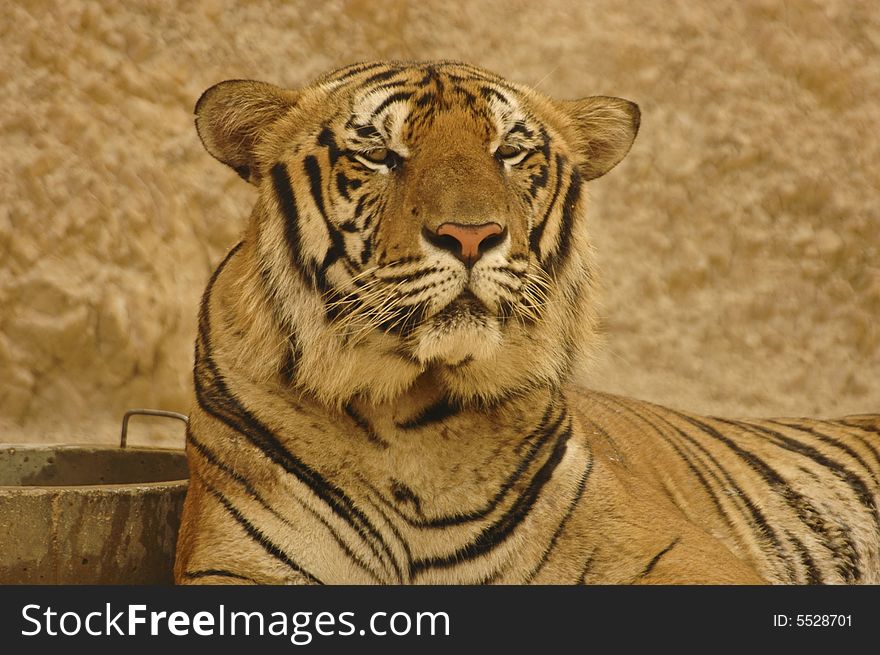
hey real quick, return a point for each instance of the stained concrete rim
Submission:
(93, 489)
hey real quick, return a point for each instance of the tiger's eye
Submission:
(508, 151)
(377, 156)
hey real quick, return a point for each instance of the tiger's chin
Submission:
(457, 336)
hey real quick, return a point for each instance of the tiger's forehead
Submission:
(392, 102)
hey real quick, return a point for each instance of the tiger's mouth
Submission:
(442, 314)
(464, 305)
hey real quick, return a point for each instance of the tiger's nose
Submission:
(467, 242)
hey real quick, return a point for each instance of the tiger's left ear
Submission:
(604, 130)
(233, 116)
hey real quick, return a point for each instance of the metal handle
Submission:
(146, 412)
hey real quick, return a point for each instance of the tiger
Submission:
(384, 387)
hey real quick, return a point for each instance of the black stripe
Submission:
(410, 277)
(367, 248)
(216, 573)
(337, 242)
(480, 74)
(544, 432)
(538, 230)
(376, 205)
(394, 97)
(406, 549)
(388, 86)
(365, 426)
(328, 140)
(435, 413)
(254, 533)
(493, 576)
(685, 457)
(865, 495)
(431, 75)
(214, 397)
(469, 98)
(860, 422)
(403, 494)
(292, 233)
(495, 534)
(754, 517)
(539, 437)
(219, 403)
(848, 565)
(488, 92)
(862, 440)
(831, 441)
(539, 180)
(287, 368)
(206, 296)
(654, 560)
(667, 491)
(508, 286)
(212, 458)
(426, 99)
(814, 575)
(380, 77)
(313, 171)
(403, 320)
(352, 70)
(342, 186)
(367, 131)
(419, 122)
(582, 485)
(520, 128)
(572, 198)
(587, 567)
(362, 203)
(401, 262)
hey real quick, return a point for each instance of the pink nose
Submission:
(467, 242)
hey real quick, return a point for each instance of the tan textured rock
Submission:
(740, 241)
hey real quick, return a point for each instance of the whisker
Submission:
(367, 316)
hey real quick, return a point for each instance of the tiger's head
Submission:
(417, 220)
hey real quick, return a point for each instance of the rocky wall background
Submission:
(740, 240)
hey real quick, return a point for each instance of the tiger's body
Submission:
(382, 367)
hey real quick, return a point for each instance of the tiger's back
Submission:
(797, 498)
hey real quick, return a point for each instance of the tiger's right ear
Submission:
(233, 116)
